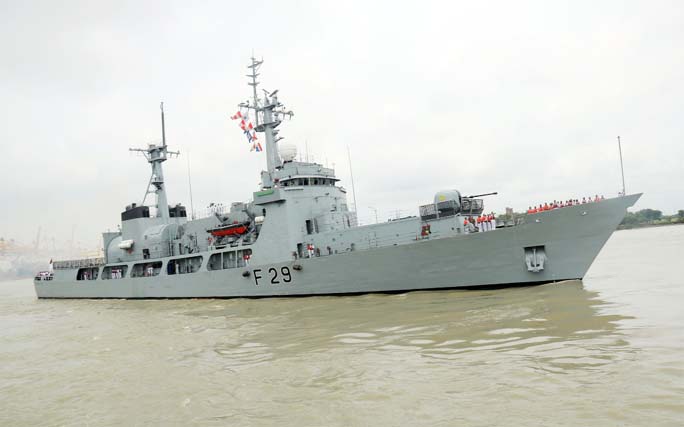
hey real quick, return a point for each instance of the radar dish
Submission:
(288, 152)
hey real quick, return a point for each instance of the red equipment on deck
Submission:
(235, 229)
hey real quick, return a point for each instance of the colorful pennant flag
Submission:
(248, 129)
(246, 125)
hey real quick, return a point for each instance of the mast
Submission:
(351, 173)
(156, 155)
(161, 107)
(269, 113)
(254, 83)
(622, 169)
(192, 206)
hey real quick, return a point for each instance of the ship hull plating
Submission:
(571, 239)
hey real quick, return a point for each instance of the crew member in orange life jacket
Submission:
(485, 222)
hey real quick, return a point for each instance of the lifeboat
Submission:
(235, 229)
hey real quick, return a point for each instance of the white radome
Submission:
(288, 152)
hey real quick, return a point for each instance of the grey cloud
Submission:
(525, 98)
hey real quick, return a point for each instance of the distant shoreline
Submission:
(633, 226)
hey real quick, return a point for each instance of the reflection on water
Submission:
(552, 328)
(606, 352)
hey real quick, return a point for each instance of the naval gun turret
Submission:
(448, 202)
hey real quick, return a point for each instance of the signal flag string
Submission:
(248, 129)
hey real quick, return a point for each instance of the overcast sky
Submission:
(524, 98)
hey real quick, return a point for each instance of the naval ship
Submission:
(298, 236)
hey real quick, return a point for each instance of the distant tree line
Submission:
(646, 217)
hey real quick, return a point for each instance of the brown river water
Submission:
(605, 351)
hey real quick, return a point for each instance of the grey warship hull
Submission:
(298, 235)
(550, 246)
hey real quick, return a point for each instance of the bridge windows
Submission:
(309, 181)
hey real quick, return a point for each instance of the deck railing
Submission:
(469, 207)
(78, 263)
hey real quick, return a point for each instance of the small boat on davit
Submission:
(235, 229)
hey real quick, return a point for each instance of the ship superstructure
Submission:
(298, 236)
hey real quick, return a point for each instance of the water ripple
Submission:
(604, 353)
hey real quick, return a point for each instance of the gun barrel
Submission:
(482, 195)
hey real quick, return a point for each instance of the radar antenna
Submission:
(156, 155)
(269, 113)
